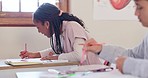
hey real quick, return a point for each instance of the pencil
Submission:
(25, 47)
(83, 56)
(94, 44)
(84, 51)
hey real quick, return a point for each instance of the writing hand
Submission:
(23, 54)
(89, 46)
(26, 54)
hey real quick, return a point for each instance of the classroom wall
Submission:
(13, 39)
(124, 33)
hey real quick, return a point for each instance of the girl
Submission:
(65, 31)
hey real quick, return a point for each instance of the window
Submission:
(16, 13)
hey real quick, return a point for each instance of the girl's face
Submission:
(142, 11)
(43, 28)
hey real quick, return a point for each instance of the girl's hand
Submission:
(119, 63)
(26, 54)
(50, 58)
(92, 45)
(51, 54)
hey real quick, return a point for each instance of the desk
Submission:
(3, 66)
(11, 73)
(7, 71)
(40, 71)
(44, 74)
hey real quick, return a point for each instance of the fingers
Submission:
(94, 48)
(45, 58)
(50, 53)
(50, 58)
(23, 54)
(90, 43)
(119, 63)
(90, 40)
(89, 48)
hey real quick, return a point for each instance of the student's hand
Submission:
(26, 54)
(119, 63)
(50, 58)
(51, 54)
(90, 46)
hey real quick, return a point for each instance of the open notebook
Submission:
(19, 62)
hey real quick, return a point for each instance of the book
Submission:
(32, 61)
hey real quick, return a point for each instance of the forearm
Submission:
(37, 55)
(110, 52)
(73, 56)
(76, 53)
(44, 53)
(137, 67)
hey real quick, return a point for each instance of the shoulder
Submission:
(72, 25)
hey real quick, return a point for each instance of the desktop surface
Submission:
(45, 74)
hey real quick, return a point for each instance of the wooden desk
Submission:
(3, 66)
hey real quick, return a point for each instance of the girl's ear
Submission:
(47, 24)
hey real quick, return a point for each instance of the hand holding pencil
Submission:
(26, 54)
(92, 45)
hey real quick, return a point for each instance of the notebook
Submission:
(34, 61)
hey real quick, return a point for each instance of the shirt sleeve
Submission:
(137, 67)
(140, 51)
(76, 54)
(136, 63)
(45, 52)
(110, 52)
